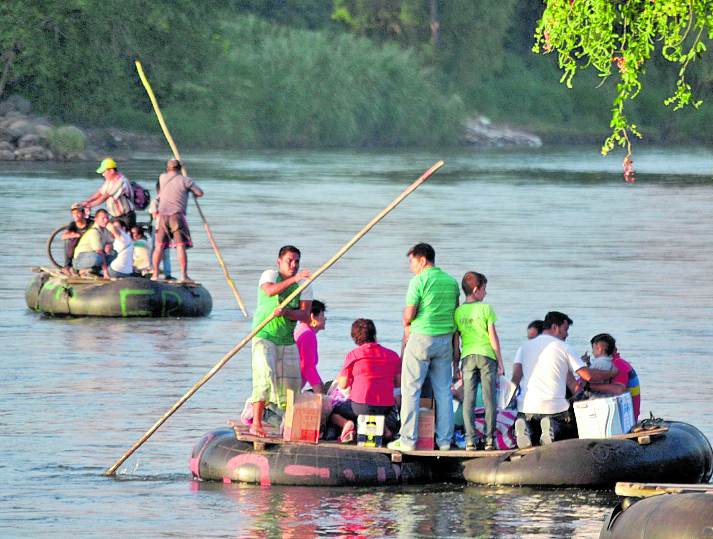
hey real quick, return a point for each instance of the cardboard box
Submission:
(426, 425)
(601, 418)
(303, 417)
(370, 430)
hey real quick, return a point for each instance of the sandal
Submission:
(348, 437)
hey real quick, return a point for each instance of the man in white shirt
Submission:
(543, 367)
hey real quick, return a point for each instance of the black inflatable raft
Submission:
(680, 454)
(220, 456)
(684, 515)
(56, 294)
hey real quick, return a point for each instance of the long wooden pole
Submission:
(183, 171)
(282, 305)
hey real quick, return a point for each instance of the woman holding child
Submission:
(370, 372)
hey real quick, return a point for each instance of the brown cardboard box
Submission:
(426, 425)
(303, 417)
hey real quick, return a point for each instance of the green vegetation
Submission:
(259, 73)
(66, 142)
(623, 38)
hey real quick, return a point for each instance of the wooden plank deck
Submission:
(644, 490)
(274, 438)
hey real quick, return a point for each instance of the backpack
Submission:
(141, 196)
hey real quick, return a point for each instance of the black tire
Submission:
(49, 246)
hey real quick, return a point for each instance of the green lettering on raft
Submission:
(122, 299)
(164, 294)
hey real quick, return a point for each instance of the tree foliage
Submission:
(75, 58)
(618, 38)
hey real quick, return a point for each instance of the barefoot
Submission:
(257, 430)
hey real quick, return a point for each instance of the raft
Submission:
(221, 456)
(661, 511)
(56, 294)
(674, 452)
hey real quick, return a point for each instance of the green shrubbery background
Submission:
(319, 73)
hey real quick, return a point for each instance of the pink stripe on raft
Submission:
(301, 471)
(193, 462)
(250, 458)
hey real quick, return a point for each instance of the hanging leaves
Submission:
(617, 38)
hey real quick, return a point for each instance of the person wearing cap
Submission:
(79, 225)
(116, 191)
(171, 225)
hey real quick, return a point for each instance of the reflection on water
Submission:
(406, 512)
(551, 229)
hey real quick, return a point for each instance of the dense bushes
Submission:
(279, 87)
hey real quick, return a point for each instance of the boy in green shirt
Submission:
(480, 356)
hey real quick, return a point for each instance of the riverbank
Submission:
(26, 137)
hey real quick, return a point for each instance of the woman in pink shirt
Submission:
(370, 372)
(306, 340)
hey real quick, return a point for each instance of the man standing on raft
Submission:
(275, 358)
(427, 349)
(171, 222)
(116, 192)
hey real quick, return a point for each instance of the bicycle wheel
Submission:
(55, 246)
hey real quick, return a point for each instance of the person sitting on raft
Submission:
(123, 263)
(79, 225)
(604, 348)
(541, 368)
(306, 340)
(91, 252)
(142, 250)
(370, 372)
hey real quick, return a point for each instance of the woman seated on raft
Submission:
(370, 372)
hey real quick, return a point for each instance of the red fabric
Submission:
(623, 378)
(370, 370)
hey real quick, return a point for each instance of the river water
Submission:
(552, 229)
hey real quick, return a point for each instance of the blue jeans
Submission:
(430, 355)
(479, 369)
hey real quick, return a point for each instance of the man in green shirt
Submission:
(427, 348)
(275, 359)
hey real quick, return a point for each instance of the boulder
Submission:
(15, 103)
(33, 153)
(21, 127)
(7, 155)
(480, 132)
(5, 135)
(7, 146)
(28, 141)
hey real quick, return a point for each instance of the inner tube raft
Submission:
(688, 515)
(220, 456)
(59, 295)
(682, 454)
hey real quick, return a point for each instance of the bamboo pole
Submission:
(183, 171)
(282, 305)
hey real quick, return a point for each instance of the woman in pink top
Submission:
(306, 340)
(371, 372)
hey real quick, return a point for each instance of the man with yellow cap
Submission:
(116, 191)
